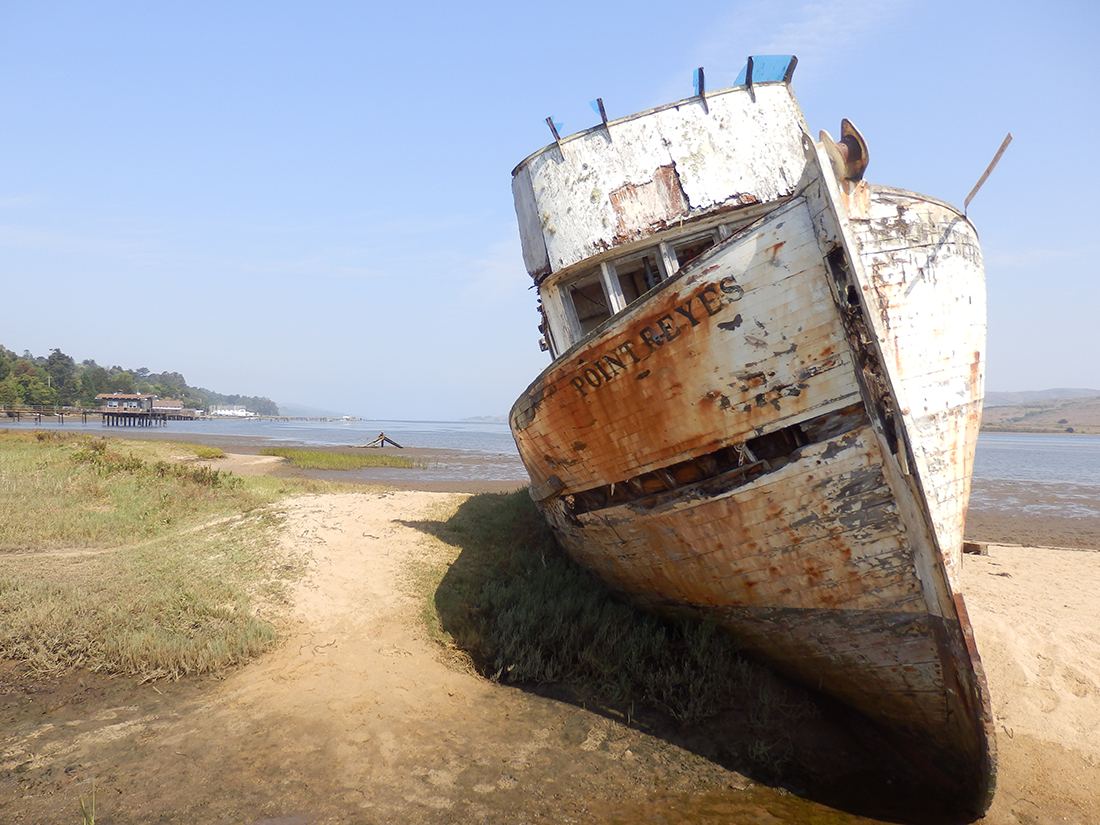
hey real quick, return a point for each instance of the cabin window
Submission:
(638, 275)
(590, 303)
(576, 306)
(690, 250)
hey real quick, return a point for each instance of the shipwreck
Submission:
(764, 400)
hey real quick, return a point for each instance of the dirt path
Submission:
(355, 719)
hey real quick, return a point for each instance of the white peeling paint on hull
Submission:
(780, 436)
(927, 288)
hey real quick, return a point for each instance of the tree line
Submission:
(57, 380)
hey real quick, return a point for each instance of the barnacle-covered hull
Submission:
(778, 434)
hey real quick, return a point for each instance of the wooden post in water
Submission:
(382, 440)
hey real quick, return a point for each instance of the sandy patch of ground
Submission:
(357, 719)
(247, 465)
(1037, 622)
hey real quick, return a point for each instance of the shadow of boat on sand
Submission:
(528, 617)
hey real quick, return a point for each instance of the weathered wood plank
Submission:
(927, 293)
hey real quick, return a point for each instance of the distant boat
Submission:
(765, 399)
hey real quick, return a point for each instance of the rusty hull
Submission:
(779, 438)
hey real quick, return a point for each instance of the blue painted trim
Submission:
(767, 68)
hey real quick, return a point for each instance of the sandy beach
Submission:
(358, 718)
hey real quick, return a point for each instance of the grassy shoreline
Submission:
(133, 557)
(303, 459)
(1086, 429)
(136, 557)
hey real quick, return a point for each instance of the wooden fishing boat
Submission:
(764, 400)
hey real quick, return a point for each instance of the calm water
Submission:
(1009, 468)
(1038, 474)
(1038, 458)
(482, 437)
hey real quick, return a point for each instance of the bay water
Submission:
(1009, 468)
(1037, 474)
(478, 436)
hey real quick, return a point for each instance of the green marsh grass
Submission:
(117, 558)
(87, 809)
(522, 612)
(320, 460)
(526, 613)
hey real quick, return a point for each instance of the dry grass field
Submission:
(1077, 415)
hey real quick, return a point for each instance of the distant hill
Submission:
(1004, 399)
(1044, 411)
(489, 419)
(58, 380)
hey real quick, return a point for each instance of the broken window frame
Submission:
(714, 235)
(564, 326)
(569, 289)
(614, 275)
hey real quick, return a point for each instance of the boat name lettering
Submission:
(706, 303)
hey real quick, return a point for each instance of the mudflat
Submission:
(357, 717)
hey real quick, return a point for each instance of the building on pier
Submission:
(121, 409)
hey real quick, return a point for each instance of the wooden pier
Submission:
(134, 418)
(108, 418)
(62, 416)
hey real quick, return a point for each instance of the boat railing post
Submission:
(701, 88)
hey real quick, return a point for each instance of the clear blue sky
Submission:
(311, 201)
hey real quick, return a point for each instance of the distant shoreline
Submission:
(1082, 430)
(1077, 415)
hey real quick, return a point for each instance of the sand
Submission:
(358, 718)
(1037, 622)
